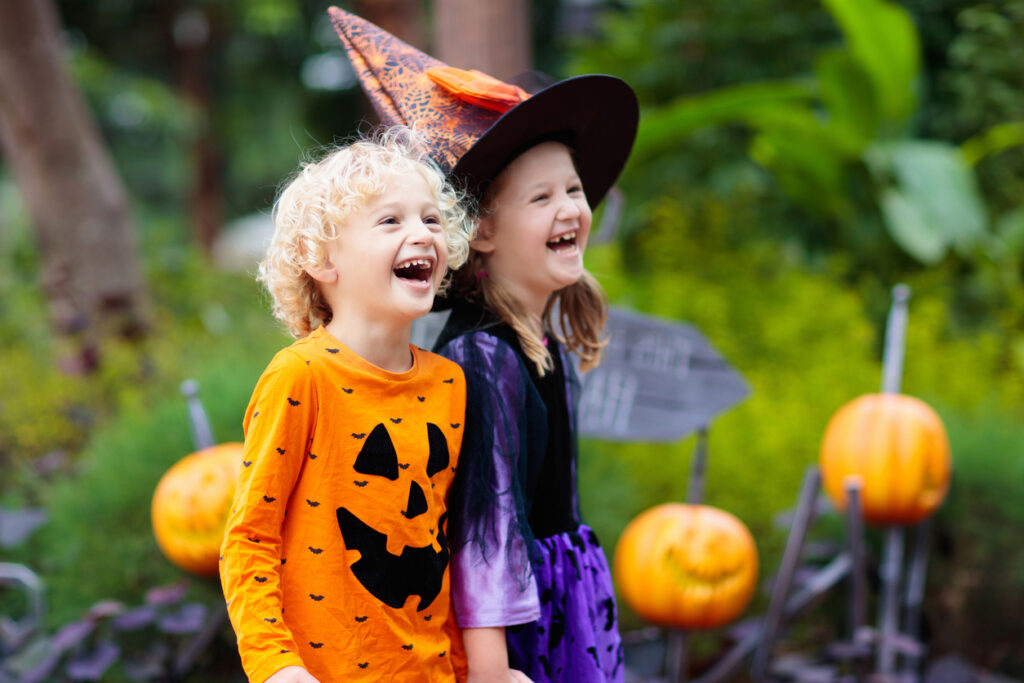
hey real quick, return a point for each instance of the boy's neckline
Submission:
(342, 351)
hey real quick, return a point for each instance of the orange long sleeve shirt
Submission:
(335, 556)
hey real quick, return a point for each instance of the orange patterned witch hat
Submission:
(475, 125)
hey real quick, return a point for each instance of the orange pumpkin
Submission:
(690, 566)
(898, 448)
(191, 506)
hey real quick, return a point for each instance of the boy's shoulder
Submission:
(435, 363)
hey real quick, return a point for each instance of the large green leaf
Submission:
(814, 178)
(935, 193)
(670, 125)
(848, 95)
(909, 226)
(883, 40)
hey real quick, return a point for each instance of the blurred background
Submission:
(796, 159)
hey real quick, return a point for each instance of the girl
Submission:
(531, 588)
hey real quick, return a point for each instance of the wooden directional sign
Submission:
(659, 380)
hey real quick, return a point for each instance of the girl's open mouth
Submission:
(415, 270)
(564, 242)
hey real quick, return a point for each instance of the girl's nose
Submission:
(568, 210)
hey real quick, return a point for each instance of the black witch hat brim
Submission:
(596, 115)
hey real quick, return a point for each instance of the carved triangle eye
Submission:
(378, 456)
(438, 450)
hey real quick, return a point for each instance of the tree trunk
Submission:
(401, 18)
(75, 199)
(492, 36)
(193, 38)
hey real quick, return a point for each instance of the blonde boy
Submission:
(335, 560)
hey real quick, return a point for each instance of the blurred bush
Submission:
(975, 599)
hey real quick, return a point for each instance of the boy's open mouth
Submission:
(415, 269)
(563, 242)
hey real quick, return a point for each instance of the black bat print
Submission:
(255, 540)
(449, 380)
(360, 484)
(396, 420)
(292, 401)
(404, 465)
(315, 646)
(269, 499)
(455, 425)
(421, 399)
(270, 620)
(316, 598)
(312, 456)
(361, 619)
(247, 463)
(427, 618)
(407, 647)
(347, 390)
(281, 451)
(260, 579)
(360, 435)
(331, 350)
(363, 665)
(315, 551)
(312, 503)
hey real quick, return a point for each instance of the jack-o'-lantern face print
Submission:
(398, 559)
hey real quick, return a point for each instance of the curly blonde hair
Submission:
(323, 195)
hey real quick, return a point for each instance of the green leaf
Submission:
(992, 141)
(848, 95)
(1010, 229)
(936, 188)
(661, 128)
(909, 227)
(805, 172)
(883, 40)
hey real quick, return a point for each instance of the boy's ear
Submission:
(326, 272)
(483, 241)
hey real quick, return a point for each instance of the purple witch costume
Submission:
(522, 559)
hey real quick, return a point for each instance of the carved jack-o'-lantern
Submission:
(407, 568)
(691, 566)
(191, 505)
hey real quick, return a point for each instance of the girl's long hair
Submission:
(582, 312)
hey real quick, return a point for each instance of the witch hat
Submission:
(474, 125)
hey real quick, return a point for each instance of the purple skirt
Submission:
(576, 638)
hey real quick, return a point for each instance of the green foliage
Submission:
(99, 542)
(977, 572)
(806, 343)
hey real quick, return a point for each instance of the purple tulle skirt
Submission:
(576, 639)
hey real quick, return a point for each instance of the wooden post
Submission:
(892, 558)
(805, 512)
(695, 488)
(916, 576)
(199, 423)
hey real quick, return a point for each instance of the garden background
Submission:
(795, 160)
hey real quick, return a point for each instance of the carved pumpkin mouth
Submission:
(393, 578)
